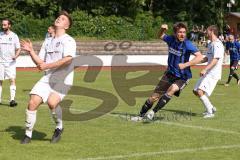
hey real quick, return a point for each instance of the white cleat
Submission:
(209, 115)
(214, 109)
(150, 115)
(136, 118)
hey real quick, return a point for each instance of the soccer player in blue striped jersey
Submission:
(233, 49)
(178, 72)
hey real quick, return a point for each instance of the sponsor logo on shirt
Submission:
(175, 52)
(57, 44)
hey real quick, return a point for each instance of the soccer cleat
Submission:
(26, 140)
(209, 115)
(214, 109)
(226, 84)
(13, 103)
(238, 82)
(136, 118)
(56, 135)
(150, 115)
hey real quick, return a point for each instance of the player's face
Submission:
(181, 34)
(5, 25)
(62, 22)
(231, 38)
(209, 33)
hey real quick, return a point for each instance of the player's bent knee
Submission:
(52, 104)
(154, 97)
(195, 93)
(32, 105)
(174, 88)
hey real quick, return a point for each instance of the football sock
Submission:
(162, 102)
(30, 121)
(57, 117)
(147, 105)
(236, 76)
(207, 104)
(12, 92)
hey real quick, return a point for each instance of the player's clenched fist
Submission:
(164, 26)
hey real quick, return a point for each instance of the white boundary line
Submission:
(163, 152)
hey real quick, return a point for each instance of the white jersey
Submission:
(54, 49)
(8, 45)
(215, 50)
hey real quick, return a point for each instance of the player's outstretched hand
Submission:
(26, 45)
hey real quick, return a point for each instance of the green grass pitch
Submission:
(179, 132)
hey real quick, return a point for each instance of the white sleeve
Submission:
(69, 47)
(42, 51)
(218, 50)
(16, 42)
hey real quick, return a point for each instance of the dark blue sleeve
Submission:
(227, 46)
(238, 46)
(191, 48)
(168, 39)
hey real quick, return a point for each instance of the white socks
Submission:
(12, 92)
(57, 117)
(30, 121)
(208, 105)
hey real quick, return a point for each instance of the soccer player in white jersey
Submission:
(212, 72)
(9, 51)
(55, 54)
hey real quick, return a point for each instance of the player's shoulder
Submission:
(217, 43)
(13, 34)
(68, 38)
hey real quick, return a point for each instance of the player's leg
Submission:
(10, 73)
(12, 92)
(2, 77)
(174, 89)
(160, 89)
(31, 115)
(233, 67)
(53, 102)
(203, 89)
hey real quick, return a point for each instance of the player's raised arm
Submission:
(162, 31)
(27, 46)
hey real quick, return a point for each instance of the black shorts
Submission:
(234, 64)
(167, 80)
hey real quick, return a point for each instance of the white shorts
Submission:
(8, 70)
(207, 84)
(43, 89)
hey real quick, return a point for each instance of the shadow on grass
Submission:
(180, 112)
(18, 133)
(5, 105)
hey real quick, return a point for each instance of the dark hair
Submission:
(9, 21)
(214, 29)
(178, 25)
(65, 13)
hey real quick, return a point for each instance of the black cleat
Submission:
(56, 135)
(26, 140)
(13, 103)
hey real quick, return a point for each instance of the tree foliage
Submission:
(103, 17)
